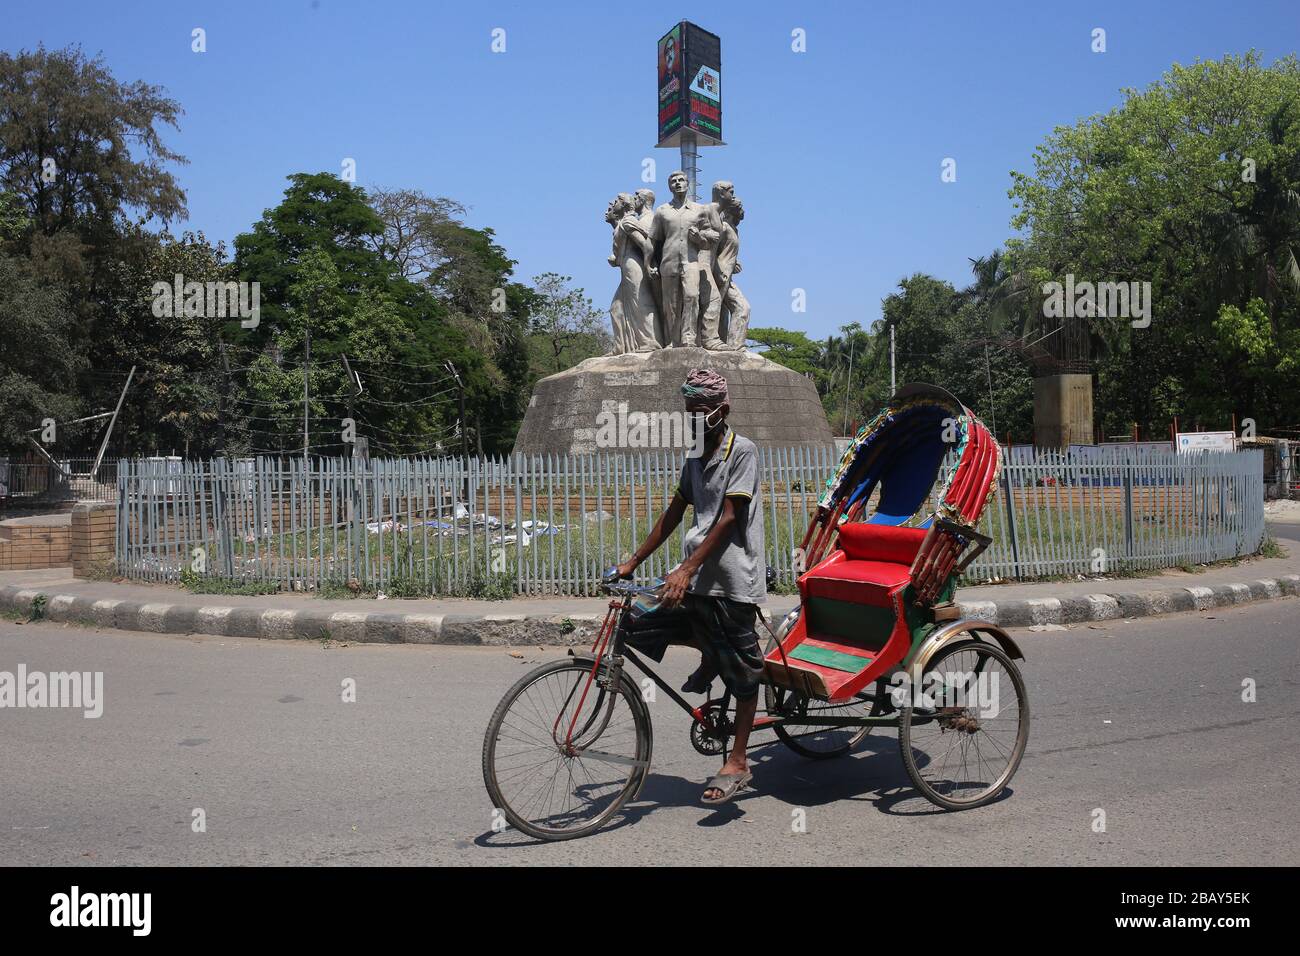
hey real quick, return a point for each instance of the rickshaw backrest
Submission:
(879, 542)
(899, 453)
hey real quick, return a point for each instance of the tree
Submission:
(82, 168)
(1190, 185)
(469, 274)
(417, 229)
(67, 131)
(566, 328)
(793, 349)
(39, 381)
(175, 395)
(410, 329)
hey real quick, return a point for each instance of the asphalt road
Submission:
(1143, 719)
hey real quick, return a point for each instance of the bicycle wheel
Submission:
(819, 743)
(560, 755)
(962, 747)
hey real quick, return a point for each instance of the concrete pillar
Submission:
(1063, 411)
(94, 537)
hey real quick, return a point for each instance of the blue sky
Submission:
(836, 152)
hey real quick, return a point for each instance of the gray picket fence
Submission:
(551, 525)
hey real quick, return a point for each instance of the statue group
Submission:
(677, 266)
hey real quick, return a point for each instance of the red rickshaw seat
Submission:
(858, 582)
(873, 560)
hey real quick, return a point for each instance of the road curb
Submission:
(1109, 606)
(572, 629)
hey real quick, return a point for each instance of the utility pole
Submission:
(848, 386)
(464, 433)
(893, 381)
(460, 391)
(354, 382)
(306, 399)
(221, 396)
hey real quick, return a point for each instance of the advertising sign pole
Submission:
(690, 96)
(691, 163)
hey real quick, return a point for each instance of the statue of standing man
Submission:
(684, 235)
(726, 315)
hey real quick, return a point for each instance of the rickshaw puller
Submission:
(718, 586)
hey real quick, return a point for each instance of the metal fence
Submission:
(68, 479)
(550, 525)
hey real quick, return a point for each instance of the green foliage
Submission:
(13, 220)
(942, 335)
(1193, 185)
(564, 326)
(98, 139)
(1246, 331)
(39, 362)
(792, 349)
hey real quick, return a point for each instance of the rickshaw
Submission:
(876, 641)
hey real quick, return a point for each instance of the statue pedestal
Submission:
(770, 404)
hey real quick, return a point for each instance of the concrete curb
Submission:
(1105, 607)
(568, 630)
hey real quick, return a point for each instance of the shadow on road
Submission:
(873, 774)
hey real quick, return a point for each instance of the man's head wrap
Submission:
(704, 384)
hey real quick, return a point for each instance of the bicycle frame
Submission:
(609, 646)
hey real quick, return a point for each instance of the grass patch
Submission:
(202, 584)
(1271, 549)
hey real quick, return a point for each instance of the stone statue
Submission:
(644, 208)
(730, 310)
(677, 270)
(633, 312)
(684, 235)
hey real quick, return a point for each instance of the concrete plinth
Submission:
(770, 404)
(1063, 411)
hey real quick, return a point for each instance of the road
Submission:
(1142, 719)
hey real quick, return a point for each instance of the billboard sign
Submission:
(672, 96)
(690, 85)
(1206, 441)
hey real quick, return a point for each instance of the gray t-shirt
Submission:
(738, 568)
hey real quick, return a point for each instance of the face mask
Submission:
(711, 421)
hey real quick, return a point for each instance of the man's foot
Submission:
(729, 781)
(700, 681)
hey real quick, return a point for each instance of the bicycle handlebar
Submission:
(613, 584)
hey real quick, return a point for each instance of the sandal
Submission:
(730, 785)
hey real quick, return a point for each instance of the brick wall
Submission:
(27, 546)
(94, 536)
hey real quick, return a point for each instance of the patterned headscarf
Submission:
(706, 385)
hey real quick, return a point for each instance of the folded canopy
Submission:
(901, 450)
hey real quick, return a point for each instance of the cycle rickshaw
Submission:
(876, 641)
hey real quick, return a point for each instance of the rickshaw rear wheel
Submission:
(824, 743)
(526, 768)
(970, 741)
